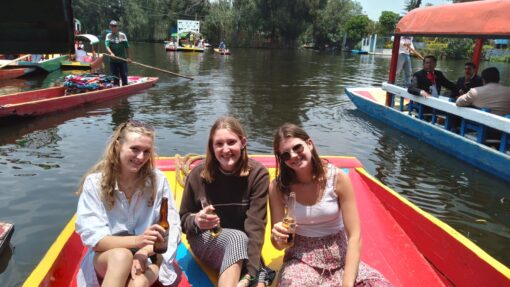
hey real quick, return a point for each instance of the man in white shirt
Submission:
(404, 58)
(491, 95)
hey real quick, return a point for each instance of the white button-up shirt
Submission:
(95, 221)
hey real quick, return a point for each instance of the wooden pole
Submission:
(15, 60)
(150, 67)
(393, 68)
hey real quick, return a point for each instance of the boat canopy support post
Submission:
(477, 52)
(393, 67)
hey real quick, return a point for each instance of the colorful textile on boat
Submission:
(75, 84)
(319, 261)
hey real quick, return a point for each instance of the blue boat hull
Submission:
(480, 156)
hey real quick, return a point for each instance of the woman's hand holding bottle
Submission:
(149, 236)
(206, 218)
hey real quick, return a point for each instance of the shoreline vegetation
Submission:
(333, 25)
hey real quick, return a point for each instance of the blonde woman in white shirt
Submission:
(118, 209)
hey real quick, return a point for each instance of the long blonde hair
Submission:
(285, 176)
(233, 125)
(109, 165)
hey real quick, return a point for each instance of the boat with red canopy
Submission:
(479, 20)
(406, 244)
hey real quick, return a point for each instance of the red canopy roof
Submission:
(479, 19)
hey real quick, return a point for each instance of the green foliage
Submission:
(357, 27)
(387, 22)
(503, 58)
(254, 23)
(459, 48)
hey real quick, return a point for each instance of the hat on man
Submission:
(113, 23)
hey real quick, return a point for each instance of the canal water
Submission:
(43, 159)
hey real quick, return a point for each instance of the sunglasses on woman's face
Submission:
(299, 148)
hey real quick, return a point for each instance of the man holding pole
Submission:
(117, 46)
(404, 58)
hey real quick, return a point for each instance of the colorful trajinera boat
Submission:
(185, 48)
(388, 104)
(92, 60)
(406, 244)
(43, 101)
(6, 74)
(222, 52)
(48, 63)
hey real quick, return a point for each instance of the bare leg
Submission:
(230, 277)
(114, 266)
(145, 279)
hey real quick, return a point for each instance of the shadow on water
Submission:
(5, 257)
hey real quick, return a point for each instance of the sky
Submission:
(373, 8)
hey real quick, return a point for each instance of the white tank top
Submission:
(323, 218)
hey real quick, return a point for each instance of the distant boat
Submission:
(359, 52)
(222, 52)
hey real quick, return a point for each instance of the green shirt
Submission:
(118, 43)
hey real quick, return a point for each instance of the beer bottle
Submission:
(289, 221)
(161, 246)
(215, 231)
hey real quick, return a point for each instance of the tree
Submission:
(356, 28)
(387, 22)
(412, 4)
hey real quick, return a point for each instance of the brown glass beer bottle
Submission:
(161, 246)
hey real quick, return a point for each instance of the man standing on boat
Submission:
(117, 45)
(404, 58)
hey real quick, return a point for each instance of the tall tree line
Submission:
(244, 23)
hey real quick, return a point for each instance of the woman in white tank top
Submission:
(326, 246)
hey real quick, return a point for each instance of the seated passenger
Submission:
(326, 246)
(80, 54)
(118, 208)
(428, 81)
(228, 234)
(491, 95)
(470, 79)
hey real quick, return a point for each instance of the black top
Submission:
(239, 201)
(421, 82)
(474, 82)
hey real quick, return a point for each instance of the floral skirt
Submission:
(319, 261)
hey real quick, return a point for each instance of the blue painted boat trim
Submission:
(481, 156)
(196, 276)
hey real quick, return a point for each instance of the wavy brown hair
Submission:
(285, 176)
(109, 165)
(211, 163)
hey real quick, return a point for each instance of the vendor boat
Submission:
(43, 101)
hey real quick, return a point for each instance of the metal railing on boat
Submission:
(442, 104)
